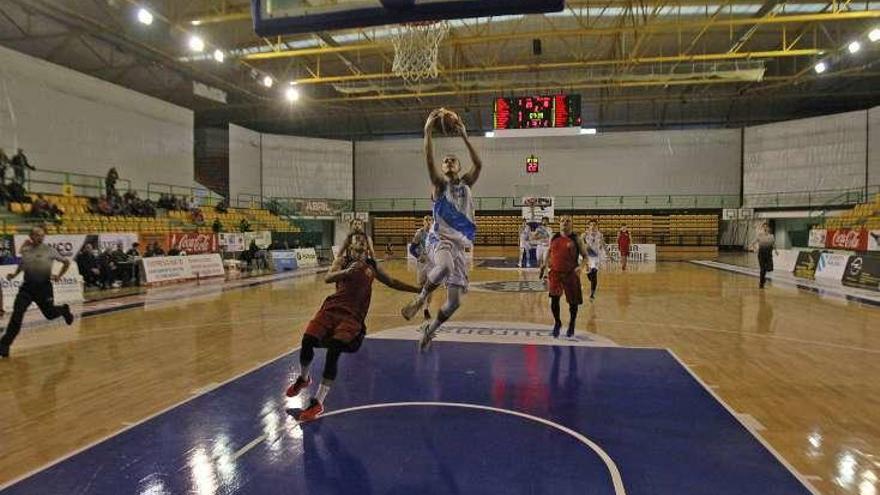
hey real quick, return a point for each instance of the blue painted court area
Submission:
(464, 418)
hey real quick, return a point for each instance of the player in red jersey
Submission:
(339, 324)
(623, 243)
(561, 260)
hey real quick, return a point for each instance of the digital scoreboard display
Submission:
(533, 112)
(532, 165)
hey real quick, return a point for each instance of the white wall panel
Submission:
(297, 167)
(874, 146)
(244, 161)
(819, 153)
(69, 121)
(625, 163)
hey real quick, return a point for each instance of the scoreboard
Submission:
(531, 112)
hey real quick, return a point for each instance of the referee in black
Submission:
(36, 263)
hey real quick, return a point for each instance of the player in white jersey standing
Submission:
(452, 234)
(419, 249)
(543, 234)
(596, 252)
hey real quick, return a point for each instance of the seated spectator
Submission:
(106, 267)
(121, 264)
(88, 266)
(134, 251)
(151, 250)
(216, 227)
(134, 255)
(174, 251)
(222, 206)
(17, 193)
(165, 202)
(197, 216)
(244, 225)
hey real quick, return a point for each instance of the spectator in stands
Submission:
(217, 227)
(152, 248)
(4, 164)
(19, 163)
(244, 225)
(165, 202)
(121, 265)
(88, 266)
(222, 206)
(106, 267)
(134, 256)
(110, 182)
(174, 251)
(41, 208)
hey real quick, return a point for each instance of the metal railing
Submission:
(822, 198)
(204, 197)
(53, 182)
(635, 202)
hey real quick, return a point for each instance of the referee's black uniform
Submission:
(36, 263)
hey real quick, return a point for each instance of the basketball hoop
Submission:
(416, 47)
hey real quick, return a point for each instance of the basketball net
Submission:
(416, 47)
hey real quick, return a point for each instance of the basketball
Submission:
(447, 122)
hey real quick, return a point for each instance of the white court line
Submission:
(144, 420)
(244, 450)
(616, 479)
(803, 479)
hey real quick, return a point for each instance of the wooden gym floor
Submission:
(802, 369)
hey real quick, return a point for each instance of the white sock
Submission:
(304, 371)
(323, 389)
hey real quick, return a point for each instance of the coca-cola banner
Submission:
(818, 238)
(863, 271)
(191, 243)
(874, 240)
(851, 239)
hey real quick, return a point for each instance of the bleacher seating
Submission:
(503, 229)
(864, 215)
(78, 220)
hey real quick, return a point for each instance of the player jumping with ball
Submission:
(452, 235)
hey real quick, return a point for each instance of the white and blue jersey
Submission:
(454, 216)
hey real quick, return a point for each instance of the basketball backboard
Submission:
(276, 17)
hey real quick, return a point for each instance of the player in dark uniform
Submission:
(563, 273)
(339, 324)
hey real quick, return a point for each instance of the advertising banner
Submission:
(7, 249)
(831, 266)
(205, 265)
(233, 242)
(806, 264)
(874, 240)
(283, 261)
(851, 239)
(262, 238)
(193, 243)
(306, 257)
(637, 252)
(863, 271)
(68, 245)
(784, 260)
(817, 238)
(166, 269)
(68, 290)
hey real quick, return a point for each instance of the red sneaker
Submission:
(298, 386)
(312, 412)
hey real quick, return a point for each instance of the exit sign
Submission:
(532, 165)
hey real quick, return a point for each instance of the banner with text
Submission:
(852, 239)
(283, 261)
(637, 252)
(874, 240)
(166, 269)
(831, 266)
(306, 258)
(817, 238)
(232, 242)
(784, 260)
(68, 290)
(863, 271)
(262, 238)
(205, 265)
(807, 261)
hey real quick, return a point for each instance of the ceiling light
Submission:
(219, 56)
(874, 35)
(820, 67)
(196, 44)
(196, 22)
(145, 17)
(854, 47)
(292, 94)
(268, 81)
